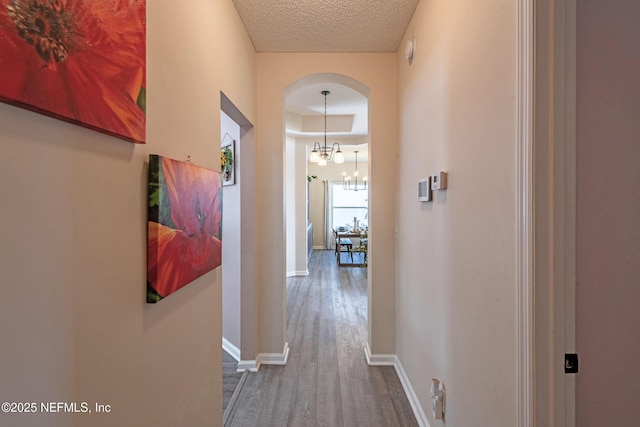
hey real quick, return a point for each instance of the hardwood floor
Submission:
(326, 381)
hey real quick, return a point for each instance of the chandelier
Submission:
(349, 184)
(321, 154)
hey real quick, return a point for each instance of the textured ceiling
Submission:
(326, 25)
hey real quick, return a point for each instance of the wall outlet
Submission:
(438, 413)
(437, 393)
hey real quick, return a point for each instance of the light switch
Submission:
(439, 181)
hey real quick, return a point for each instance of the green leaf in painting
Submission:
(152, 296)
(154, 197)
(142, 99)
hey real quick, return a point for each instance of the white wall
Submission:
(290, 203)
(73, 251)
(608, 213)
(300, 225)
(296, 207)
(455, 256)
(231, 234)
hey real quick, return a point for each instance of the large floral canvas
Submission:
(185, 225)
(82, 61)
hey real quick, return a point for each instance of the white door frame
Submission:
(546, 188)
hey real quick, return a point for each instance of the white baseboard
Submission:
(297, 273)
(247, 365)
(379, 359)
(231, 349)
(393, 360)
(319, 248)
(274, 358)
(265, 359)
(243, 365)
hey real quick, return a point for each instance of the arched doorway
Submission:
(309, 218)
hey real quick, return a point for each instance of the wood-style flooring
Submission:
(326, 381)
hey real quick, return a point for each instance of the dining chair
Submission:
(340, 242)
(362, 248)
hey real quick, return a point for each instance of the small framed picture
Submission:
(228, 160)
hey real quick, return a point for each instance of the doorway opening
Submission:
(238, 253)
(330, 110)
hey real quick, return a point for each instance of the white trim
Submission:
(393, 360)
(421, 417)
(265, 359)
(273, 358)
(320, 248)
(554, 224)
(247, 365)
(379, 359)
(524, 215)
(231, 349)
(298, 273)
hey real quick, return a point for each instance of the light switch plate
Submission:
(439, 181)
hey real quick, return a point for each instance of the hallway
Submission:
(326, 381)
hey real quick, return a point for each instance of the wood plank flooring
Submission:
(326, 381)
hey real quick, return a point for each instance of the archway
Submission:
(347, 123)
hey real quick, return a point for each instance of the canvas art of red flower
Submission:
(185, 225)
(79, 61)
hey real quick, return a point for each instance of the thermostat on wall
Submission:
(424, 190)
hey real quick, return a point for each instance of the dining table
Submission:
(350, 233)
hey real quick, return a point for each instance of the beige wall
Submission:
(455, 256)
(275, 73)
(608, 213)
(73, 319)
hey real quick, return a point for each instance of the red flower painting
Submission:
(82, 61)
(185, 223)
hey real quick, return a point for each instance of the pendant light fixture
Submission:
(349, 184)
(321, 154)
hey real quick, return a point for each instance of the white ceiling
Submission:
(342, 100)
(309, 100)
(326, 25)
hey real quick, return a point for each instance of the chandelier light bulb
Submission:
(314, 156)
(346, 180)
